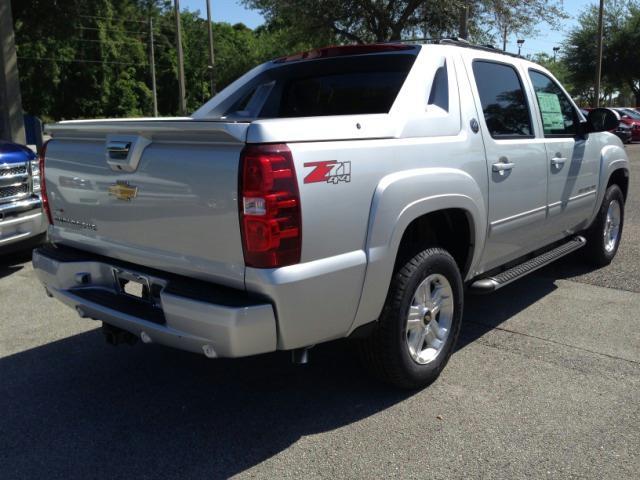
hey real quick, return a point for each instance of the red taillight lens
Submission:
(269, 207)
(43, 183)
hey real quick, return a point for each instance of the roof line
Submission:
(456, 42)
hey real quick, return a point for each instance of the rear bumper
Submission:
(201, 318)
(21, 220)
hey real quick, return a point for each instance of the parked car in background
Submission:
(622, 131)
(631, 118)
(21, 219)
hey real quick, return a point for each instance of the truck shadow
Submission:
(11, 262)
(78, 408)
(483, 313)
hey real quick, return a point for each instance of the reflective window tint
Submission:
(503, 100)
(558, 115)
(352, 85)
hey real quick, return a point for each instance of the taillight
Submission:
(269, 207)
(43, 183)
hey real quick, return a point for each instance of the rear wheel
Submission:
(603, 237)
(420, 321)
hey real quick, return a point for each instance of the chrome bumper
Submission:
(216, 321)
(21, 220)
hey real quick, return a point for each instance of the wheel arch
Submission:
(614, 167)
(400, 208)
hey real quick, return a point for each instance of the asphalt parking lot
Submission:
(545, 384)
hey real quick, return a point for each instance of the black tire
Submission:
(596, 253)
(385, 352)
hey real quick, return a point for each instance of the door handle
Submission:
(558, 161)
(502, 167)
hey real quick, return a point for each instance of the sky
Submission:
(232, 11)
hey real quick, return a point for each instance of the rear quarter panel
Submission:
(352, 225)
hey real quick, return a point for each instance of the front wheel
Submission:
(603, 237)
(420, 322)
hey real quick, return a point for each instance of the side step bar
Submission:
(490, 284)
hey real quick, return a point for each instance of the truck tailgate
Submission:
(158, 193)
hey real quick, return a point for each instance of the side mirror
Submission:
(602, 120)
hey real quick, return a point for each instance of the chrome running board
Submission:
(494, 282)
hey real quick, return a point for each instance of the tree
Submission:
(362, 21)
(620, 64)
(81, 59)
(506, 17)
(622, 55)
(557, 67)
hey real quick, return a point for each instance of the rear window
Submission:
(334, 86)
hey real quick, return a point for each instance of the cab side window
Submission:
(440, 89)
(559, 118)
(503, 100)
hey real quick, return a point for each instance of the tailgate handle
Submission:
(123, 152)
(118, 150)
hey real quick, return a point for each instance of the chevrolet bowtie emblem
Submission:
(123, 191)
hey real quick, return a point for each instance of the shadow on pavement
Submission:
(11, 262)
(483, 313)
(78, 408)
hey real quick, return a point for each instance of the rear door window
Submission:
(504, 104)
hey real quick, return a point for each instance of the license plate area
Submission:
(134, 285)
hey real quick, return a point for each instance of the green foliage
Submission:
(80, 59)
(620, 63)
(557, 67)
(364, 21)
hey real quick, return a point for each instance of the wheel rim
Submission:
(429, 319)
(612, 226)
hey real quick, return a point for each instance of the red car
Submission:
(632, 118)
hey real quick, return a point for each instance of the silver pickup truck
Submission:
(351, 191)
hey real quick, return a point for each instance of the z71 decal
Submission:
(328, 171)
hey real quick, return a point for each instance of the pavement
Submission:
(545, 383)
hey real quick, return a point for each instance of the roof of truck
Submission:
(409, 45)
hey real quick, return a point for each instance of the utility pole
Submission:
(504, 39)
(599, 59)
(182, 99)
(463, 31)
(11, 121)
(152, 62)
(211, 63)
(555, 51)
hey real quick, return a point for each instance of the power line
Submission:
(109, 18)
(81, 27)
(91, 40)
(80, 60)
